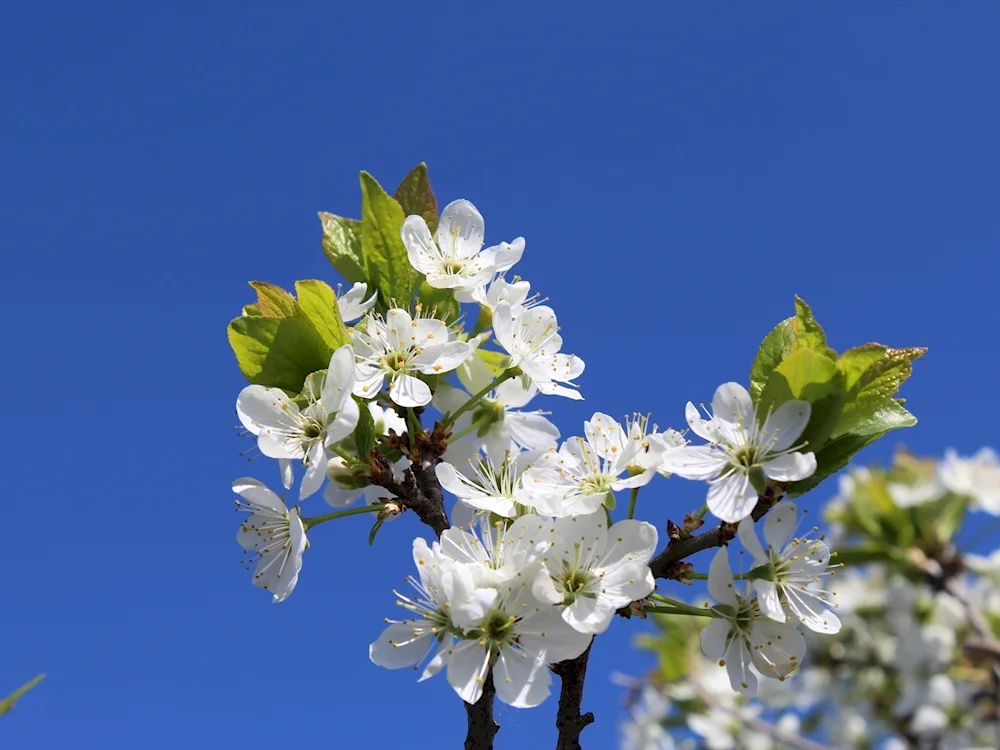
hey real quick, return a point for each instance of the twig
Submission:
(684, 544)
(569, 721)
(479, 715)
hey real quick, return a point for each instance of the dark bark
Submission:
(670, 562)
(569, 721)
(482, 726)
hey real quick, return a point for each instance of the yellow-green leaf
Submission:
(774, 348)
(318, 302)
(342, 246)
(385, 255)
(8, 703)
(854, 362)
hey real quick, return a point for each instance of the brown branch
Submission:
(479, 715)
(569, 721)
(668, 564)
(420, 491)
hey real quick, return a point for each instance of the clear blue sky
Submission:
(679, 172)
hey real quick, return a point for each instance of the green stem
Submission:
(501, 378)
(701, 513)
(704, 577)
(684, 606)
(631, 502)
(351, 460)
(308, 523)
(677, 611)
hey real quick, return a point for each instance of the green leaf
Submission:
(280, 350)
(808, 333)
(318, 303)
(810, 376)
(854, 362)
(272, 301)
(939, 520)
(415, 195)
(871, 407)
(862, 555)
(364, 433)
(872, 413)
(833, 457)
(385, 256)
(8, 703)
(774, 348)
(342, 246)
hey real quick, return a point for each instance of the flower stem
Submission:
(704, 577)
(308, 523)
(501, 378)
(701, 513)
(693, 612)
(684, 607)
(351, 460)
(631, 502)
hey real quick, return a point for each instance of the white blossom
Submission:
(408, 642)
(506, 628)
(272, 533)
(795, 567)
(454, 258)
(352, 303)
(579, 478)
(531, 338)
(398, 347)
(741, 635)
(738, 446)
(344, 488)
(644, 730)
(287, 433)
(592, 571)
(487, 486)
(978, 477)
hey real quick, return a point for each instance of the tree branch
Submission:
(683, 544)
(569, 721)
(479, 715)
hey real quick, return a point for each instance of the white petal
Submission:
(521, 679)
(256, 493)
(732, 403)
(733, 498)
(368, 386)
(544, 589)
(812, 611)
(751, 543)
(531, 430)
(287, 472)
(408, 391)
(315, 471)
(461, 230)
(468, 665)
(701, 427)
(769, 601)
(785, 425)
(546, 633)
(720, 579)
(790, 467)
(513, 393)
(586, 615)
(779, 524)
(697, 462)
(738, 665)
(420, 248)
(402, 644)
(715, 639)
(628, 541)
(339, 381)
(345, 422)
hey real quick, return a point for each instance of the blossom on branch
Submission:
(274, 534)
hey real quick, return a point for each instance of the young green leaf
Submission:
(854, 362)
(385, 255)
(8, 703)
(774, 348)
(364, 433)
(342, 246)
(318, 302)
(808, 332)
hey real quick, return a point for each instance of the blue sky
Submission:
(679, 171)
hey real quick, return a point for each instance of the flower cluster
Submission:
(534, 554)
(902, 659)
(515, 599)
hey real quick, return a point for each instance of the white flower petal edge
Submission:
(273, 534)
(738, 446)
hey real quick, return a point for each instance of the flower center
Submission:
(498, 629)
(312, 430)
(595, 483)
(396, 361)
(453, 266)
